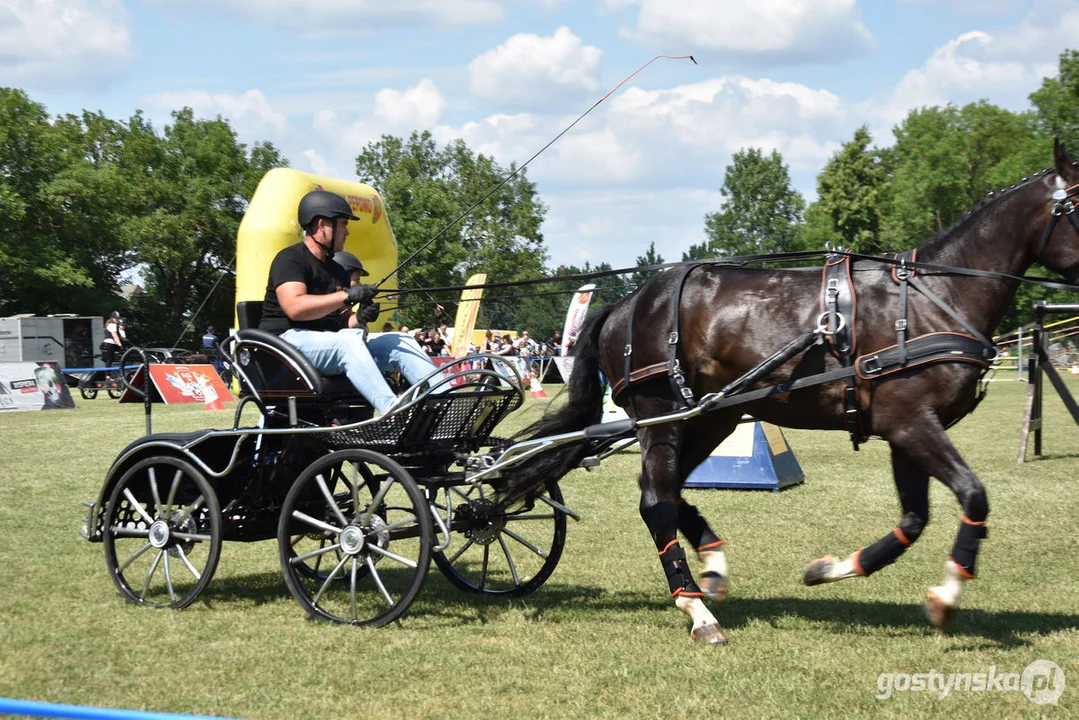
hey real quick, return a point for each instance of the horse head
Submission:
(1058, 246)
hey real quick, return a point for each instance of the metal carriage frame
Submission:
(359, 505)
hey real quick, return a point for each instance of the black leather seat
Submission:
(277, 368)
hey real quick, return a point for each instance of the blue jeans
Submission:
(345, 351)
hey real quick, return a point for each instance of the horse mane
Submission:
(992, 197)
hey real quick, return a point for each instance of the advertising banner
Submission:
(181, 384)
(33, 386)
(467, 310)
(578, 307)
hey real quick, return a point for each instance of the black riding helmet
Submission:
(323, 203)
(350, 262)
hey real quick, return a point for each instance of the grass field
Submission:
(601, 638)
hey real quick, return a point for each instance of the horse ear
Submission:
(1065, 166)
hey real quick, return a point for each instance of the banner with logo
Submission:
(33, 386)
(181, 384)
(467, 310)
(578, 306)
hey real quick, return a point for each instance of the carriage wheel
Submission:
(88, 393)
(162, 533)
(510, 552)
(116, 392)
(355, 539)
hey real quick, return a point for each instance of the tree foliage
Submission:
(849, 191)
(761, 212)
(428, 189)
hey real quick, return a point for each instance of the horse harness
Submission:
(836, 325)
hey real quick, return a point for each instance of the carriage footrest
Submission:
(85, 529)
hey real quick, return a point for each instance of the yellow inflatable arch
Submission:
(270, 224)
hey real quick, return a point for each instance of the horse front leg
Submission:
(912, 485)
(658, 508)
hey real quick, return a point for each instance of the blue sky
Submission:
(321, 78)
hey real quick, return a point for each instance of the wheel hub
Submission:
(159, 534)
(352, 540)
(483, 521)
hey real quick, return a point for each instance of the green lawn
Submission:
(601, 638)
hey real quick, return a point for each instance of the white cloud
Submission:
(318, 164)
(62, 43)
(419, 106)
(756, 32)
(527, 69)
(617, 226)
(973, 7)
(250, 113)
(318, 17)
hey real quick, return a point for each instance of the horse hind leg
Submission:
(912, 484)
(700, 439)
(659, 494)
(715, 577)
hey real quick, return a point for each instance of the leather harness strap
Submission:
(673, 367)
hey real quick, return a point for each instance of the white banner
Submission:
(578, 306)
(33, 386)
(565, 367)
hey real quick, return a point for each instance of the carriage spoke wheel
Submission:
(355, 539)
(88, 393)
(510, 552)
(162, 533)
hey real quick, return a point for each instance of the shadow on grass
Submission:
(555, 602)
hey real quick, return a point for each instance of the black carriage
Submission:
(359, 504)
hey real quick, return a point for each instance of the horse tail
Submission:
(584, 407)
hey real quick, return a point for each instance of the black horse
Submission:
(890, 348)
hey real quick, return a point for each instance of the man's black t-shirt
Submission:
(296, 264)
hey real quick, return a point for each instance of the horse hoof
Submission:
(818, 571)
(714, 585)
(938, 612)
(711, 634)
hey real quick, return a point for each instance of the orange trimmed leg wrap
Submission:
(967, 544)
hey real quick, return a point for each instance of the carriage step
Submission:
(84, 531)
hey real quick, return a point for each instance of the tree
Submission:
(1057, 101)
(761, 212)
(947, 159)
(38, 268)
(190, 188)
(427, 191)
(650, 257)
(849, 189)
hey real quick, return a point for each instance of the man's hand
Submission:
(369, 313)
(361, 294)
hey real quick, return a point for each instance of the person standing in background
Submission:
(115, 339)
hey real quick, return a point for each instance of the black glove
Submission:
(369, 313)
(361, 294)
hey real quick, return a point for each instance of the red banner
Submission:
(182, 384)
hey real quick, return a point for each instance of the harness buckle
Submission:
(687, 393)
(822, 324)
(629, 350)
(871, 365)
(901, 324)
(672, 339)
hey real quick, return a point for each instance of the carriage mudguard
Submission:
(925, 350)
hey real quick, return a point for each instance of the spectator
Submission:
(115, 339)
(489, 345)
(209, 341)
(507, 349)
(387, 326)
(556, 343)
(434, 344)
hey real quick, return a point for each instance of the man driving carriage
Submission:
(309, 304)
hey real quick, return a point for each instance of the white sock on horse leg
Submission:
(714, 561)
(844, 569)
(695, 608)
(953, 585)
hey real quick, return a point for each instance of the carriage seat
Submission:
(277, 368)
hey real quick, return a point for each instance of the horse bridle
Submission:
(1063, 204)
